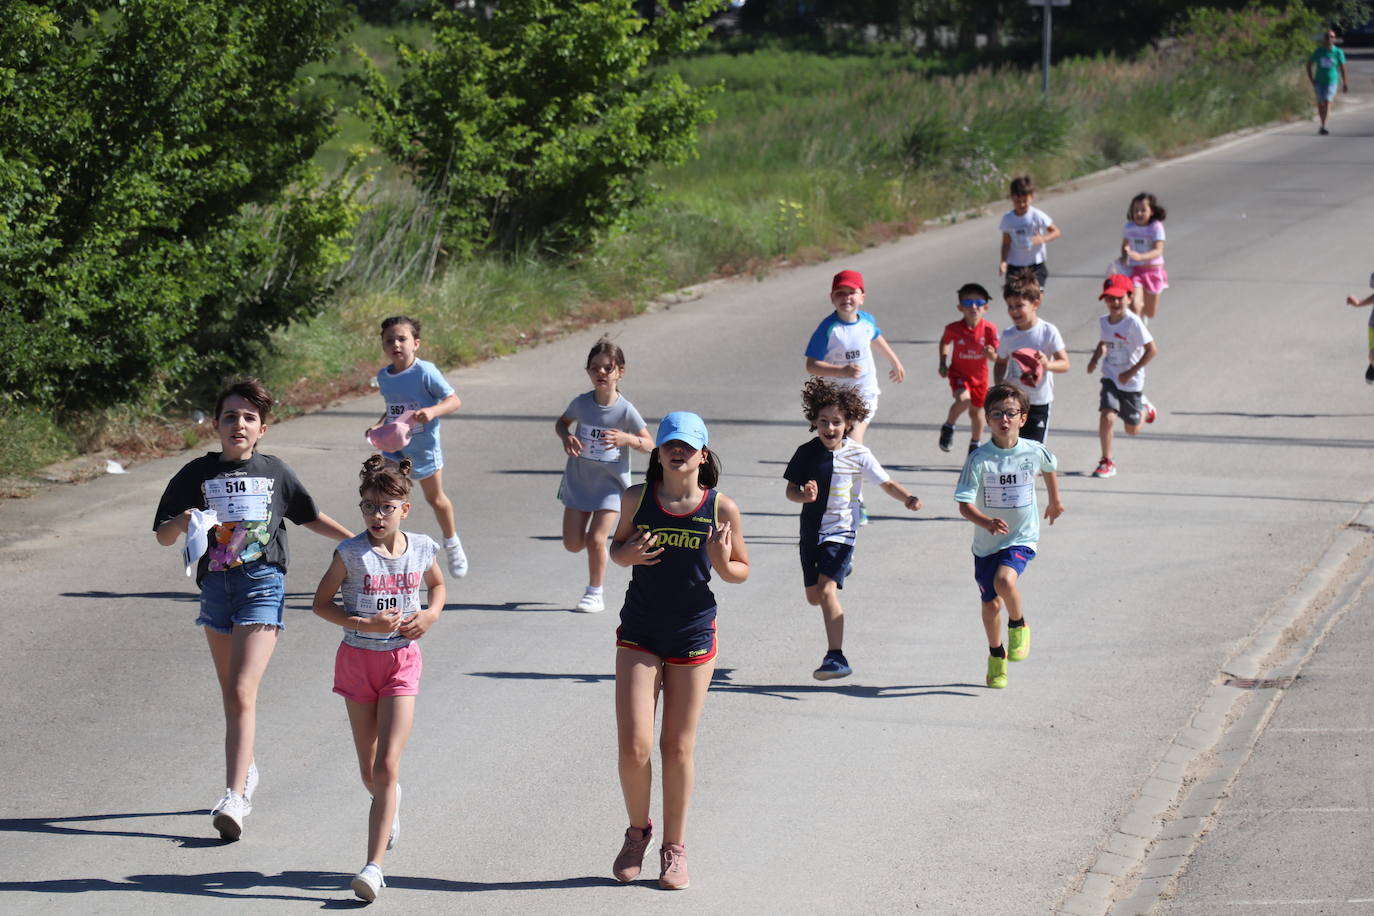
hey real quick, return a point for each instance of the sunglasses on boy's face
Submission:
(1003, 414)
(973, 303)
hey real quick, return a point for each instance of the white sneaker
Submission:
(368, 882)
(395, 821)
(457, 560)
(250, 784)
(229, 815)
(591, 603)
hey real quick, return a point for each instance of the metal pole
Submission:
(1045, 53)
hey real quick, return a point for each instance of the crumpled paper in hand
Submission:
(198, 537)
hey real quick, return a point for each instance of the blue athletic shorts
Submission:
(828, 558)
(424, 453)
(248, 594)
(985, 568)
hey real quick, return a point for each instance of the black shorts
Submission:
(1128, 404)
(693, 646)
(828, 558)
(1037, 423)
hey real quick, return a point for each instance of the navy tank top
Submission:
(678, 586)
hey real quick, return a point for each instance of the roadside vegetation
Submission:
(809, 154)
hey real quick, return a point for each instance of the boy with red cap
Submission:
(1124, 349)
(841, 348)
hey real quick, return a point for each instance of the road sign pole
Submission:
(1045, 52)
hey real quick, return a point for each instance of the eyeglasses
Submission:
(383, 509)
(1004, 414)
(973, 303)
(602, 369)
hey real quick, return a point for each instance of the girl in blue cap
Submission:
(674, 529)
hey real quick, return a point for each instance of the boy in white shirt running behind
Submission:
(1124, 348)
(825, 476)
(1026, 230)
(1033, 350)
(996, 492)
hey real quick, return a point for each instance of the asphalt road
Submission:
(907, 787)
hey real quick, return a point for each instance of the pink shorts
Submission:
(364, 676)
(1153, 277)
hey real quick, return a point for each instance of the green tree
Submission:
(158, 210)
(535, 123)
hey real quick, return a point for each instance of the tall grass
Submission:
(810, 155)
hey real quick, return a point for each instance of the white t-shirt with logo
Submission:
(1022, 253)
(1125, 342)
(1041, 336)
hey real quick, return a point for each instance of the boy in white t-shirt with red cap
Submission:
(1124, 348)
(841, 349)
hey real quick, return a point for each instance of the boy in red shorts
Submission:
(965, 349)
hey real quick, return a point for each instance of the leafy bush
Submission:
(158, 209)
(1260, 36)
(533, 125)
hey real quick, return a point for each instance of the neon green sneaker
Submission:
(1018, 643)
(997, 672)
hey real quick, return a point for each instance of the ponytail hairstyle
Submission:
(610, 348)
(708, 474)
(1156, 211)
(381, 476)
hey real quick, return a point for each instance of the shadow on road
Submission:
(67, 826)
(722, 682)
(232, 885)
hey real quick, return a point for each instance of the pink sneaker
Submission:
(1149, 412)
(1105, 468)
(631, 859)
(673, 875)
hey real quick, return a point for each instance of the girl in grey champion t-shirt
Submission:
(377, 667)
(598, 466)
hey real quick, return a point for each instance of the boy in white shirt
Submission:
(1025, 232)
(1124, 348)
(1043, 341)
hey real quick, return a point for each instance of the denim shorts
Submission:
(248, 594)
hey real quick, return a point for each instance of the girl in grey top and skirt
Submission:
(597, 431)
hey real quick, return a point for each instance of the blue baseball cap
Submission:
(683, 426)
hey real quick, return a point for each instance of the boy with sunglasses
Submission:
(965, 348)
(996, 492)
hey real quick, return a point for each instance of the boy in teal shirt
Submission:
(996, 492)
